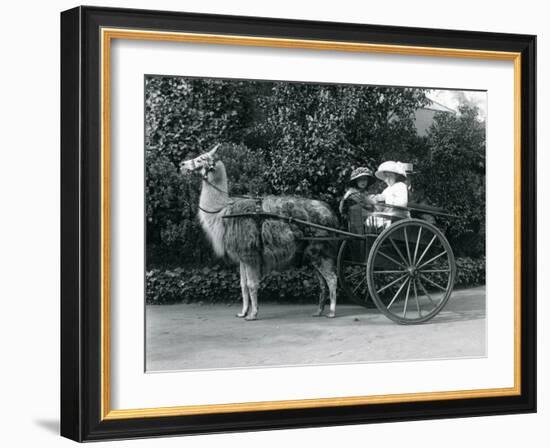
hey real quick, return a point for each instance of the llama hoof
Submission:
(240, 315)
(317, 314)
(331, 314)
(251, 317)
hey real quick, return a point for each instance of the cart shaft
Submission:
(291, 220)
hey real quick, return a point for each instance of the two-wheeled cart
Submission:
(405, 266)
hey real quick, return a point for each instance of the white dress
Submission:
(396, 194)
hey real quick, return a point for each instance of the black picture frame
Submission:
(81, 381)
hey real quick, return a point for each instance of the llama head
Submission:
(203, 163)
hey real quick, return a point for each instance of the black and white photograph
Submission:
(295, 224)
(275, 224)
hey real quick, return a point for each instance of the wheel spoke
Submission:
(397, 276)
(397, 249)
(406, 299)
(416, 299)
(433, 283)
(354, 274)
(359, 284)
(397, 293)
(426, 250)
(392, 259)
(407, 245)
(425, 292)
(432, 259)
(392, 283)
(417, 244)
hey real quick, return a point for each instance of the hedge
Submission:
(220, 284)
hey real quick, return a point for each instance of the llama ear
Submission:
(212, 152)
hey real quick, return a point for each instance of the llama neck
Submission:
(212, 202)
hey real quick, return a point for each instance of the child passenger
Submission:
(361, 178)
(357, 203)
(396, 193)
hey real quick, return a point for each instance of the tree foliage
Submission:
(453, 176)
(314, 135)
(296, 138)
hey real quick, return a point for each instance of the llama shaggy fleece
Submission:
(273, 243)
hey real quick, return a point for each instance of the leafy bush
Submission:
(219, 284)
(470, 272)
(209, 284)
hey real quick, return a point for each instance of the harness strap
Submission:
(213, 212)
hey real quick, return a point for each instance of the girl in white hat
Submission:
(396, 193)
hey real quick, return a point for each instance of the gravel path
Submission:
(180, 337)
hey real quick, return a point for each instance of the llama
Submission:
(262, 245)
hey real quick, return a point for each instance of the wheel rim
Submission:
(411, 271)
(352, 271)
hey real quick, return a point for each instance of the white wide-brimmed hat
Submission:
(390, 167)
(407, 167)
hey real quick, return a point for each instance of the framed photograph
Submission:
(276, 224)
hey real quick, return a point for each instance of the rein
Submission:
(215, 187)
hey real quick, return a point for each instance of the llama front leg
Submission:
(244, 291)
(253, 284)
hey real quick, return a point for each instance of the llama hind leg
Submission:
(328, 271)
(322, 293)
(253, 284)
(244, 291)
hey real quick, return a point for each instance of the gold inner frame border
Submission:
(107, 35)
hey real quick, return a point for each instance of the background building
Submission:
(424, 117)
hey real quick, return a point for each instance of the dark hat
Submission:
(362, 172)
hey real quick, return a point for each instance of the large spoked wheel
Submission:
(411, 271)
(352, 270)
